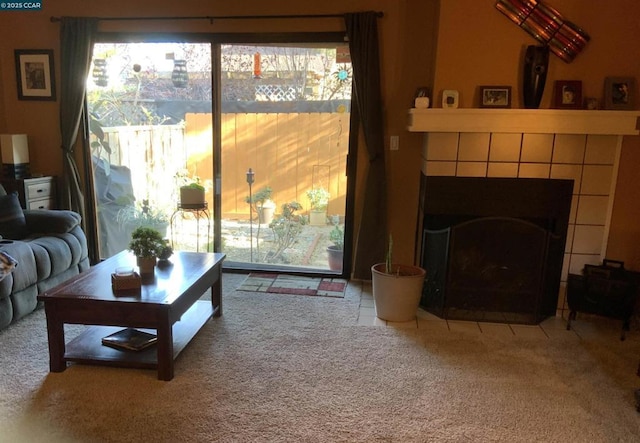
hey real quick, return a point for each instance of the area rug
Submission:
(294, 285)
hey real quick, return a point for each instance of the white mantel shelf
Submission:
(533, 121)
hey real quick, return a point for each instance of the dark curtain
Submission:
(77, 36)
(371, 235)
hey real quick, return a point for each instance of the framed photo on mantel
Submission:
(567, 94)
(619, 92)
(495, 96)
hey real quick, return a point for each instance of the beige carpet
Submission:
(298, 369)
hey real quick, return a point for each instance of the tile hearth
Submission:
(553, 328)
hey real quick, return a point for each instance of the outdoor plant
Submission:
(258, 198)
(286, 228)
(318, 199)
(147, 242)
(183, 180)
(143, 215)
(336, 235)
(194, 185)
(192, 191)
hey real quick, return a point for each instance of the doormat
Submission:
(294, 285)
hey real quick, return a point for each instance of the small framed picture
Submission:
(619, 92)
(567, 94)
(495, 96)
(450, 98)
(35, 74)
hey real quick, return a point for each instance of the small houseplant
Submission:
(147, 245)
(335, 252)
(318, 202)
(397, 288)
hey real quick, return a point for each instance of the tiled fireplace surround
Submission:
(580, 145)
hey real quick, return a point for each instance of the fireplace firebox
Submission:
(493, 247)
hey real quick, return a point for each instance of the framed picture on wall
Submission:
(567, 94)
(619, 92)
(495, 96)
(35, 74)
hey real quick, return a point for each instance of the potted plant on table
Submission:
(397, 288)
(318, 201)
(335, 252)
(147, 245)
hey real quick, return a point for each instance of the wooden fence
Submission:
(290, 152)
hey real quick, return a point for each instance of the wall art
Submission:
(35, 74)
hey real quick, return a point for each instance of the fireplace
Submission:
(493, 247)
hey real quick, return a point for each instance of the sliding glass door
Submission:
(264, 128)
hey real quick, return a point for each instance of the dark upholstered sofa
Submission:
(49, 247)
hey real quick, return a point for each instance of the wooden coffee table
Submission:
(168, 303)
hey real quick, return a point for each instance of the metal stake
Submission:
(250, 180)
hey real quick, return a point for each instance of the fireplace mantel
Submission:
(533, 121)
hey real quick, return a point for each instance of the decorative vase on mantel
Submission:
(536, 61)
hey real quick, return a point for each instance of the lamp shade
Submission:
(15, 149)
(15, 155)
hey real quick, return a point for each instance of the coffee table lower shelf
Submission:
(87, 348)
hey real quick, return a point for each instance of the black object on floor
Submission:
(608, 290)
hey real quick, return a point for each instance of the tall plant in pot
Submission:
(397, 288)
(318, 201)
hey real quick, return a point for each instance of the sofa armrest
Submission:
(51, 221)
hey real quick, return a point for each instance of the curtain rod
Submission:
(224, 17)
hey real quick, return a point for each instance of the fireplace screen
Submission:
(493, 249)
(496, 269)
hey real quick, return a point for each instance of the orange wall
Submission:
(476, 45)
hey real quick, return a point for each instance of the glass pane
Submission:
(150, 122)
(284, 142)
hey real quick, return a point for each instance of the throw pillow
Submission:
(46, 221)
(12, 222)
(7, 265)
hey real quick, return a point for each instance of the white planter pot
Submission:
(317, 218)
(396, 296)
(266, 211)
